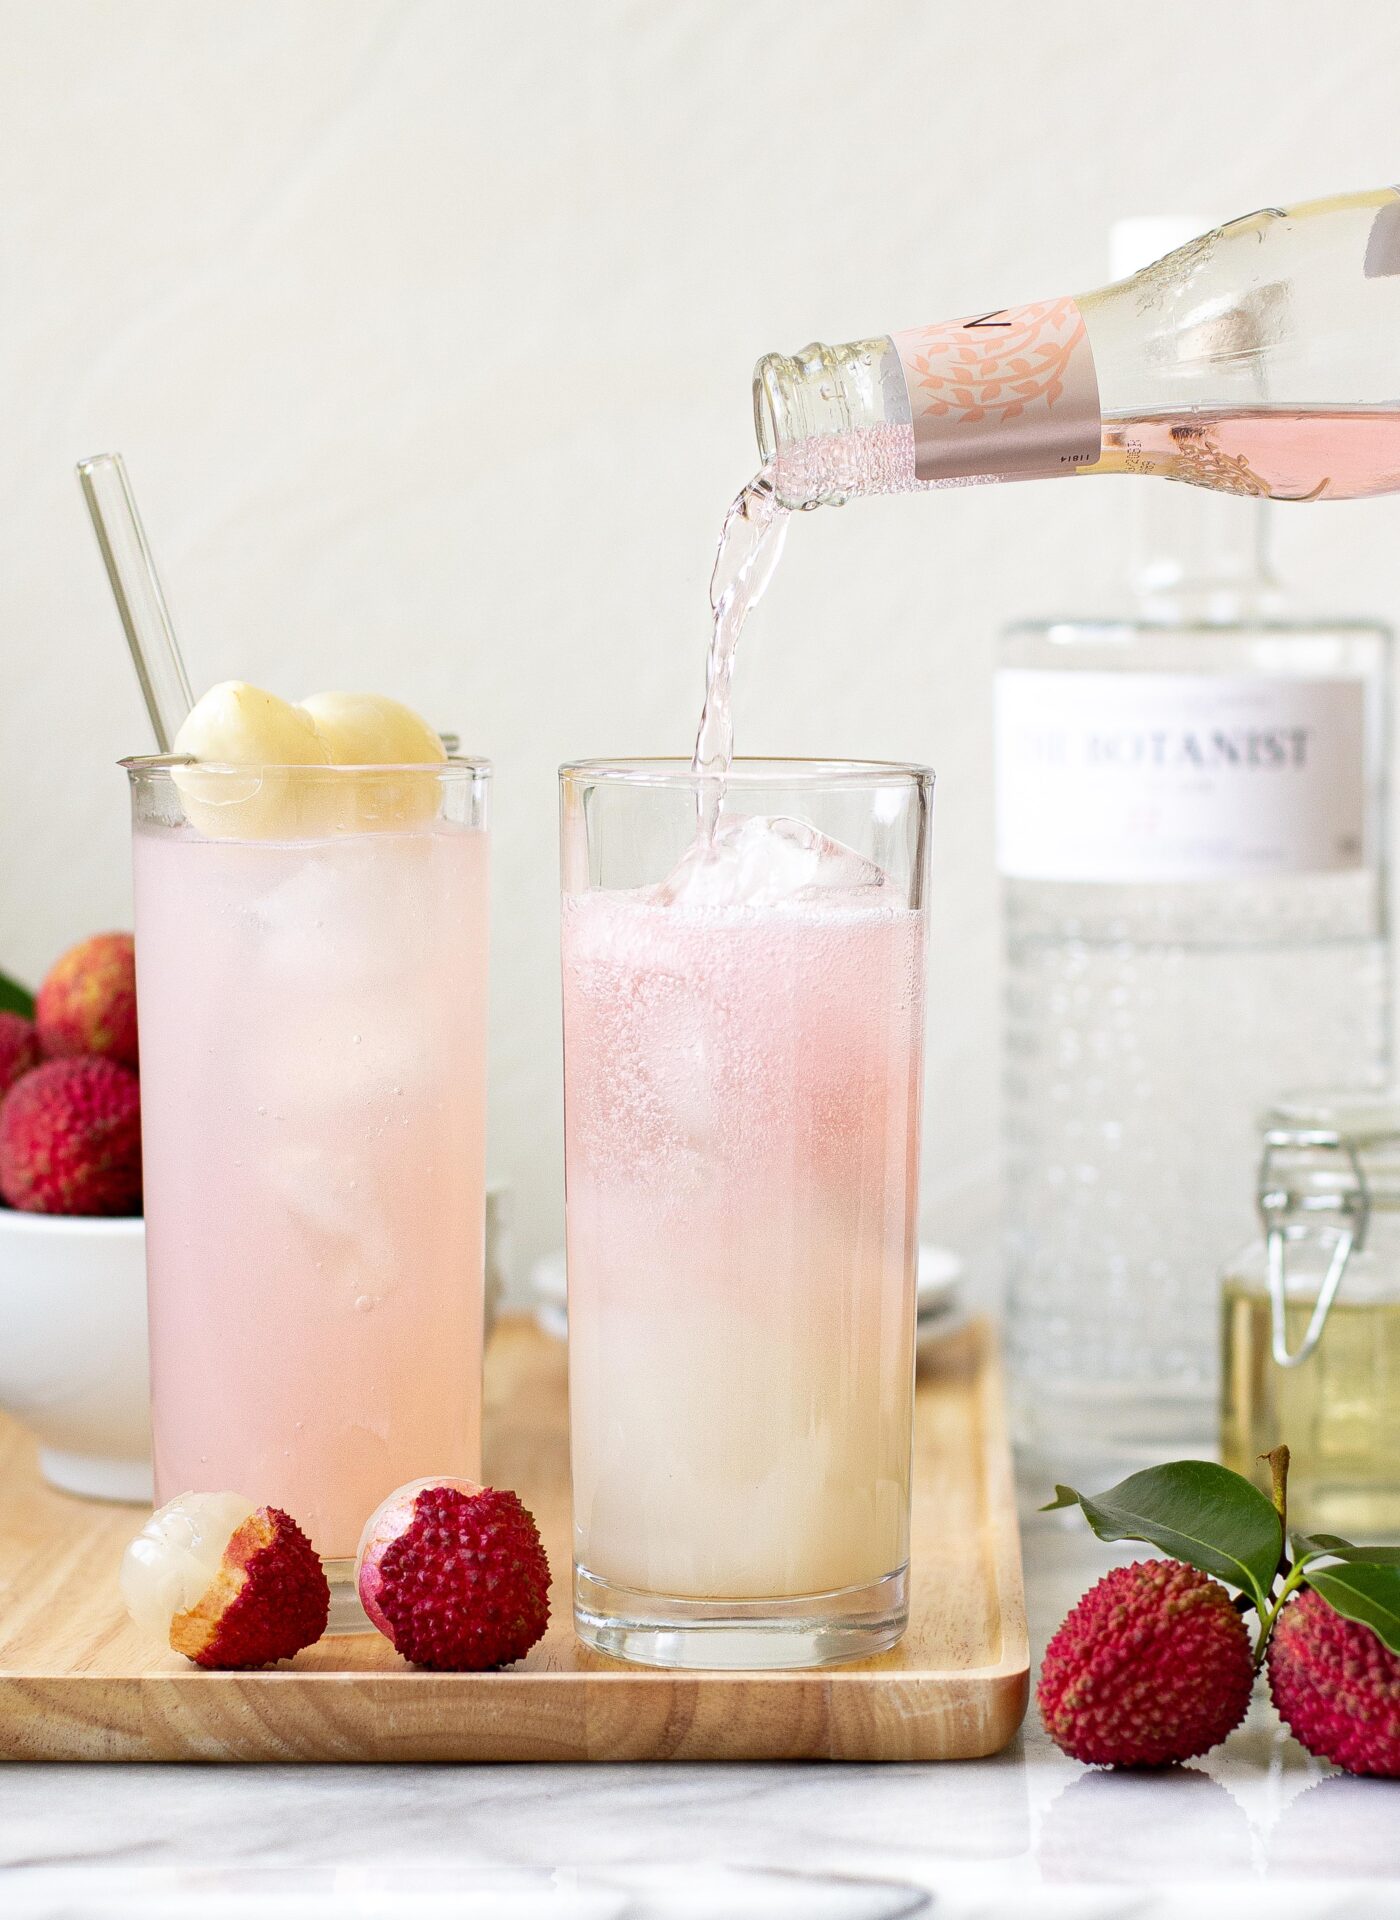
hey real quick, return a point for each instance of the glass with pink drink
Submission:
(311, 976)
(743, 1037)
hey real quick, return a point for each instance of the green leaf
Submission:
(1196, 1511)
(14, 998)
(1306, 1546)
(1368, 1593)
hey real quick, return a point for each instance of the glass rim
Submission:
(676, 771)
(165, 765)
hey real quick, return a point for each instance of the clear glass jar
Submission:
(1310, 1320)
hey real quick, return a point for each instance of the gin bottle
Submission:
(1190, 837)
(1190, 797)
(1260, 358)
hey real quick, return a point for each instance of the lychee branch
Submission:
(1293, 1579)
(1278, 1461)
(1155, 1663)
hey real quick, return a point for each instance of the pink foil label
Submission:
(1011, 393)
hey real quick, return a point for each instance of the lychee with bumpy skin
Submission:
(1337, 1687)
(87, 1003)
(392, 1517)
(454, 1575)
(70, 1139)
(19, 1048)
(1152, 1666)
(225, 1583)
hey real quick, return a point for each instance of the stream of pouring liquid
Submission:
(750, 543)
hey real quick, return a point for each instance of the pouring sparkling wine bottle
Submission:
(1261, 358)
(1190, 795)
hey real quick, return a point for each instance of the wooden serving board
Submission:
(76, 1684)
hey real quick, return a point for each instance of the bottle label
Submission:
(1011, 394)
(1178, 776)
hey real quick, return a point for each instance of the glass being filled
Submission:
(743, 1023)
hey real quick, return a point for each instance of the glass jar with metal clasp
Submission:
(1311, 1314)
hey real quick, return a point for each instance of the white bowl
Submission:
(73, 1365)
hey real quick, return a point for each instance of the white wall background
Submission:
(426, 327)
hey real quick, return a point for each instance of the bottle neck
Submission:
(1196, 556)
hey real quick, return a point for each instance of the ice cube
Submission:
(756, 861)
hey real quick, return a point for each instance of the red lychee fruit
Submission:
(269, 1599)
(454, 1575)
(1337, 1687)
(1152, 1666)
(225, 1583)
(19, 1048)
(70, 1139)
(87, 1003)
(393, 1516)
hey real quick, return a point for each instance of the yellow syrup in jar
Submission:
(1339, 1412)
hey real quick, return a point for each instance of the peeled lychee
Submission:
(454, 1575)
(371, 730)
(272, 770)
(19, 1048)
(1337, 1686)
(70, 1139)
(253, 743)
(87, 1003)
(225, 1583)
(1152, 1666)
(238, 725)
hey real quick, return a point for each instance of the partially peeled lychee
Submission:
(225, 1583)
(454, 1575)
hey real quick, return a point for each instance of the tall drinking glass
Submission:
(743, 1037)
(311, 983)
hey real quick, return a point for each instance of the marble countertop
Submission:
(1255, 1828)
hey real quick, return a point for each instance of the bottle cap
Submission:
(1144, 237)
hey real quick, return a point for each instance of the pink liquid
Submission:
(313, 1090)
(750, 547)
(742, 1121)
(1301, 454)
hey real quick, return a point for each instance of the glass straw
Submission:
(136, 589)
